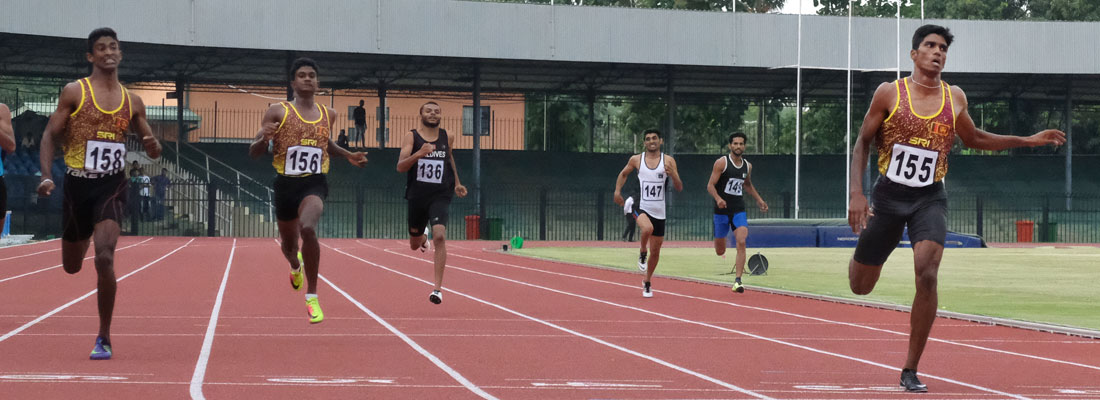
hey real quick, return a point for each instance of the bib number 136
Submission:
(911, 166)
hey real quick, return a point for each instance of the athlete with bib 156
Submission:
(914, 121)
(654, 170)
(298, 135)
(431, 178)
(91, 121)
(730, 177)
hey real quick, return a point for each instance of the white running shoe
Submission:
(646, 291)
(641, 262)
(436, 297)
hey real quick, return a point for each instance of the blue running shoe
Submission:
(102, 351)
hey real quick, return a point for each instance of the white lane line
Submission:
(699, 375)
(419, 349)
(29, 244)
(30, 254)
(78, 299)
(790, 314)
(776, 341)
(59, 265)
(208, 339)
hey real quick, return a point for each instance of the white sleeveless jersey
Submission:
(652, 184)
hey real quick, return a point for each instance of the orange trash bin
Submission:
(473, 231)
(1025, 231)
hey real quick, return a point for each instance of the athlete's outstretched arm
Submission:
(751, 189)
(715, 173)
(674, 174)
(978, 139)
(269, 124)
(459, 189)
(358, 159)
(141, 125)
(630, 166)
(70, 99)
(882, 103)
(407, 158)
(7, 135)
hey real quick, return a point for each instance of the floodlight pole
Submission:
(798, 117)
(848, 126)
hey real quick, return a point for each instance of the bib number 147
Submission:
(911, 166)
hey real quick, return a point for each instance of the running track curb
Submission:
(981, 319)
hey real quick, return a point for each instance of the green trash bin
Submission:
(1049, 232)
(496, 226)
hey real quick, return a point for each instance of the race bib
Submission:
(653, 191)
(302, 160)
(100, 157)
(429, 171)
(733, 186)
(911, 166)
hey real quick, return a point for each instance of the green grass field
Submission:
(1048, 285)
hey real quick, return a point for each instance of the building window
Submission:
(468, 120)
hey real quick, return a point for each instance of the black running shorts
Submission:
(290, 191)
(431, 209)
(89, 201)
(658, 224)
(895, 206)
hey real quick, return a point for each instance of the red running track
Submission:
(216, 318)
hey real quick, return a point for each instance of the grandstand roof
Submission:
(434, 45)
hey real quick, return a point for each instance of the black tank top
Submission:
(432, 174)
(730, 187)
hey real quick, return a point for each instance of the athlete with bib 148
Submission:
(914, 121)
(654, 170)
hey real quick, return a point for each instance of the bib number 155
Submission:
(911, 166)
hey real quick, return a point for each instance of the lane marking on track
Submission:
(86, 295)
(208, 338)
(329, 381)
(595, 384)
(59, 378)
(827, 321)
(704, 324)
(29, 244)
(59, 265)
(419, 349)
(31, 254)
(699, 375)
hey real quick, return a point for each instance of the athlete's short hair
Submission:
(929, 29)
(421, 109)
(302, 62)
(737, 135)
(653, 131)
(98, 33)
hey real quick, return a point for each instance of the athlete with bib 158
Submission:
(914, 122)
(654, 170)
(730, 177)
(428, 160)
(298, 135)
(91, 121)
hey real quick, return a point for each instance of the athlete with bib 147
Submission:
(914, 121)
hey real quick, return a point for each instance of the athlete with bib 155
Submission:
(914, 121)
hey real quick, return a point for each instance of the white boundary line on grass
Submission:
(86, 295)
(656, 360)
(793, 294)
(704, 324)
(59, 265)
(208, 339)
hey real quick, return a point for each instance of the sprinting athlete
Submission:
(730, 177)
(298, 133)
(914, 122)
(431, 179)
(654, 169)
(91, 121)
